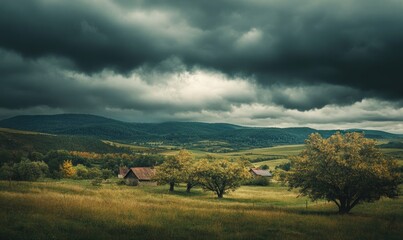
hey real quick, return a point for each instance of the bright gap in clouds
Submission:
(196, 94)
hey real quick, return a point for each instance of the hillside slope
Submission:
(30, 142)
(181, 133)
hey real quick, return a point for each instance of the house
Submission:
(122, 172)
(140, 175)
(260, 172)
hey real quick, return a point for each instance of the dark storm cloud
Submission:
(322, 64)
(78, 30)
(305, 97)
(355, 44)
(53, 83)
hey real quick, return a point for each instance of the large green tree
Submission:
(173, 170)
(221, 176)
(345, 169)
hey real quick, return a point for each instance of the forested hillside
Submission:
(30, 142)
(174, 133)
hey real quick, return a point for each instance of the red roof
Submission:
(123, 170)
(142, 173)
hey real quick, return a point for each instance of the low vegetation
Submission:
(71, 209)
(77, 194)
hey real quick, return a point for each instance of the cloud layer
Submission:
(323, 64)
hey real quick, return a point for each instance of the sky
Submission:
(271, 63)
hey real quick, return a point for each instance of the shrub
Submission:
(132, 182)
(258, 181)
(6, 172)
(94, 173)
(81, 172)
(280, 176)
(106, 173)
(67, 169)
(264, 167)
(96, 182)
(285, 166)
(121, 182)
(29, 171)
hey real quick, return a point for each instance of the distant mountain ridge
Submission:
(169, 132)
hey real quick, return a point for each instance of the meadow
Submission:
(74, 209)
(271, 156)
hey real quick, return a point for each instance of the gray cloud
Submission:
(356, 44)
(202, 60)
(48, 82)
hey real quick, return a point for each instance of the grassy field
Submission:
(78, 210)
(270, 156)
(271, 163)
(396, 153)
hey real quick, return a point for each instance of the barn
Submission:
(122, 172)
(140, 176)
(260, 172)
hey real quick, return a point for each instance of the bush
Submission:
(121, 182)
(29, 171)
(280, 176)
(67, 169)
(264, 167)
(81, 172)
(285, 166)
(132, 182)
(6, 172)
(56, 174)
(258, 181)
(106, 173)
(96, 182)
(94, 173)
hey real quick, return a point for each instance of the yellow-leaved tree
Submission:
(345, 169)
(174, 169)
(220, 176)
(67, 169)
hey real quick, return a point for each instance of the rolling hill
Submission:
(11, 140)
(175, 133)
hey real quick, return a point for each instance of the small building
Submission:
(140, 175)
(260, 172)
(122, 172)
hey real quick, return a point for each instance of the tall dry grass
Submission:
(76, 210)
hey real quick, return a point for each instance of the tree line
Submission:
(21, 166)
(347, 169)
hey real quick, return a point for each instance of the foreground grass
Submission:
(77, 210)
